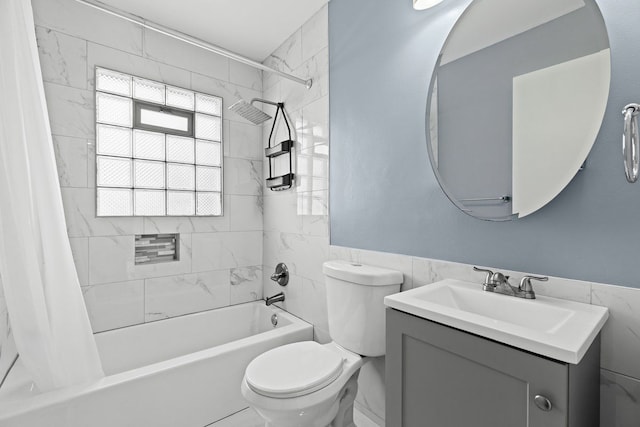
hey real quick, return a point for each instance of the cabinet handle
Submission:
(543, 403)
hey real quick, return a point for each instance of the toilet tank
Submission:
(355, 306)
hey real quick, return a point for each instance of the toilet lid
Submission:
(293, 370)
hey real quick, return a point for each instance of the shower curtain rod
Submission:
(190, 40)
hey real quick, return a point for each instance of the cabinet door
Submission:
(438, 376)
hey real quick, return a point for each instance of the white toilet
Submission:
(307, 384)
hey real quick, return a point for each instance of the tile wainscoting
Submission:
(620, 371)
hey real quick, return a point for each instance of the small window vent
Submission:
(158, 118)
(156, 248)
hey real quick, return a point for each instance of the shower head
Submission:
(251, 113)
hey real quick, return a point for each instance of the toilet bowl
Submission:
(307, 384)
(303, 384)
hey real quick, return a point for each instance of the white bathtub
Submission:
(180, 372)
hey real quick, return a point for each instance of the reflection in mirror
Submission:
(516, 102)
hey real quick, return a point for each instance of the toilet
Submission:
(307, 384)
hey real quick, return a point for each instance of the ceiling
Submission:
(253, 28)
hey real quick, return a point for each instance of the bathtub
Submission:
(180, 372)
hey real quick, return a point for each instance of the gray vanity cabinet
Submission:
(438, 376)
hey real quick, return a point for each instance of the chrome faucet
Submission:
(276, 298)
(499, 283)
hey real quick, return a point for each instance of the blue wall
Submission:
(384, 195)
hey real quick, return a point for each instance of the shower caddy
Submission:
(282, 182)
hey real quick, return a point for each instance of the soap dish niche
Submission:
(156, 248)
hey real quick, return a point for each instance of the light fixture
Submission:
(425, 4)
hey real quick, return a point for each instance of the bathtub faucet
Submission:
(276, 298)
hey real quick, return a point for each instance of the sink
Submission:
(555, 328)
(521, 312)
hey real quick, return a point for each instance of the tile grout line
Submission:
(169, 275)
(629, 377)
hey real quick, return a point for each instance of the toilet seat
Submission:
(294, 370)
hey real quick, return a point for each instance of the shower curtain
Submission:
(48, 317)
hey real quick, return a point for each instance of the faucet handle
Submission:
(281, 275)
(487, 280)
(497, 278)
(525, 283)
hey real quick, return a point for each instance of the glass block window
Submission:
(158, 148)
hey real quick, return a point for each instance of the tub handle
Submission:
(281, 275)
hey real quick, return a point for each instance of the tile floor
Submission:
(248, 418)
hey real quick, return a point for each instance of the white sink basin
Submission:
(555, 328)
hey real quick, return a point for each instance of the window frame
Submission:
(138, 106)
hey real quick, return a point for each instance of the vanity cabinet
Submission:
(438, 376)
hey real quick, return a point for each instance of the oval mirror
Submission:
(516, 102)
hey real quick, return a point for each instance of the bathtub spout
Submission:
(276, 298)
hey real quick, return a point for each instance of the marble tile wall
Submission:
(221, 258)
(296, 222)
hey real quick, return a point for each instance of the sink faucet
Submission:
(276, 298)
(499, 283)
